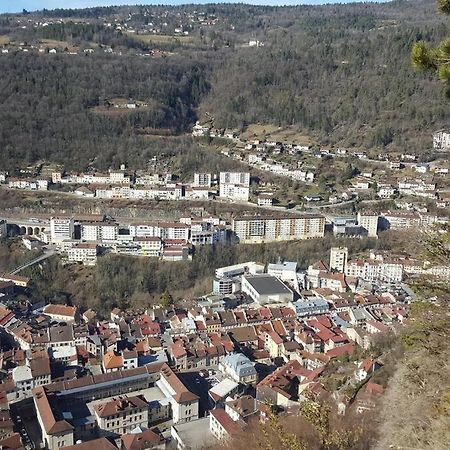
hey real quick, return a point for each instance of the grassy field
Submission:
(164, 39)
(274, 133)
(52, 43)
(4, 39)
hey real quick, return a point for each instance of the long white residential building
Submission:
(163, 230)
(286, 228)
(99, 231)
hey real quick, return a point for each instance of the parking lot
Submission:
(199, 386)
(24, 417)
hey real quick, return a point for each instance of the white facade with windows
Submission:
(61, 229)
(202, 179)
(269, 229)
(369, 221)
(83, 252)
(338, 258)
(97, 231)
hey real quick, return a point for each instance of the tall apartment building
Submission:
(441, 140)
(235, 178)
(369, 221)
(3, 228)
(61, 229)
(234, 185)
(202, 179)
(99, 231)
(270, 229)
(338, 258)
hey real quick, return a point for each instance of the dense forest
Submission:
(46, 106)
(340, 73)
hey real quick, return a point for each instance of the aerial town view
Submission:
(224, 226)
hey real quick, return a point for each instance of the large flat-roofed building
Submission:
(250, 267)
(265, 289)
(61, 229)
(99, 231)
(283, 228)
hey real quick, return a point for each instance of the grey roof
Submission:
(311, 305)
(240, 364)
(361, 314)
(288, 265)
(267, 284)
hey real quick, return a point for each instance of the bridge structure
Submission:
(33, 262)
(30, 227)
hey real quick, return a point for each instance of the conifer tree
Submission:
(437, 59)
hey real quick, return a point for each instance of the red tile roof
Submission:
(228, 424)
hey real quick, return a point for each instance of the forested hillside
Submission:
(339, 73)
(46, 105)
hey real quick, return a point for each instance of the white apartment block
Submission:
(118, 177)
(202, 179)
(234, 191)
(56, 177)
(234, 185)
(98, 231)
(441, 140)
(338, 258)
(3, 228)
(235, 178)
(398, 220)
(265, 200)
(270, 229)
(83, 252)
(33, 185)
(286, 271)
(385, 191)
(61, 229)
(149, 246)
(163, 230)
(369, 221)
